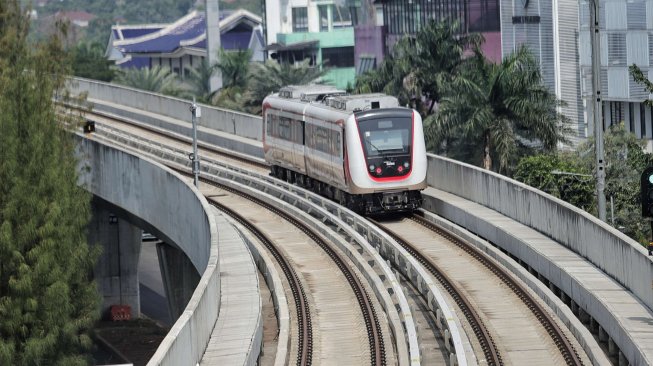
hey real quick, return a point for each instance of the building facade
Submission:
(626, 39)
(320, 31)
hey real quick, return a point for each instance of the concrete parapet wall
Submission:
(613, 252)
(137, 185)
(241, 124)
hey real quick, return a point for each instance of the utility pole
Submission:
(597, 106)
(194, 158)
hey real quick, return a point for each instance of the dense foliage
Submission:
(571, 177)
(420, 69)
(497, 112)
(158, 79)
(639, 78)
(89, 62)
(48, 302)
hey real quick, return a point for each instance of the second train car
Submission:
(363, 151)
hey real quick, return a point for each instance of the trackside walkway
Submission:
(238, 332)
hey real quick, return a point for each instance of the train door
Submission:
(298, 145)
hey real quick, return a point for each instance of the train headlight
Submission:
(400, 168)
(371, 167)
(379, 170)
(406, 165)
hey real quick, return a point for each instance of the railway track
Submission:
(305, 330)
(490, 350)
(371, 320)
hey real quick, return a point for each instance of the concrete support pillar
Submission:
(613, 350)
(594, 326)
(603, 335)
(116, 271)
(180, 278)
(574, 308)
(583, 316)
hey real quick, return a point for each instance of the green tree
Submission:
(422, 66)
(198, 81)
(561, 175)
(48, 302)
(639, 78)
(234, 66)
(89, 62)
(625, 159)
(156, 79)
(271, 76)
(501, 110)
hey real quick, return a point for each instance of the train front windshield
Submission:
(386, 136)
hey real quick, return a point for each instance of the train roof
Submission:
(361, 102)
(309, 93)
(327, 96)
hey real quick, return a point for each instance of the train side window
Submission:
(268, 123)
(285, 131)
(338, 147)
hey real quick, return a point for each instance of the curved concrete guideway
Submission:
(623, 260)
(154, 193)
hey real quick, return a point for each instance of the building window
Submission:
(642, 119)
(631, 117)
(299, 19)
(408, 16)
(323, 13)
(616, 49)
(617, 114)
(338, 57)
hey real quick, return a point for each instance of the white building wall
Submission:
(626, 39)
(554, 42)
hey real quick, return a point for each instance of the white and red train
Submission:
(363, 151)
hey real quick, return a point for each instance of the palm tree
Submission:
(198, 78)
(157, 79)
(234, 66)
(389, 77)
(421, 66)
(496, 110)
(271, 76)
(89, 62)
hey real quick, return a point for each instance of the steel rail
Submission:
(305, 336)
(546, 320)
(372, 324)
(489, 348)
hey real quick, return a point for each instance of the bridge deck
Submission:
(631, 321)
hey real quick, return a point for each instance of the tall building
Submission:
(626, 39)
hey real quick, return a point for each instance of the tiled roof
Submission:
(168, 39)
(189, 31)
(137, 32)
(75, 15)
(137, 62)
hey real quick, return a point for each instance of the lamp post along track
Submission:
(305, 344)
(485, 340)
(372, 324)
(548, 323)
